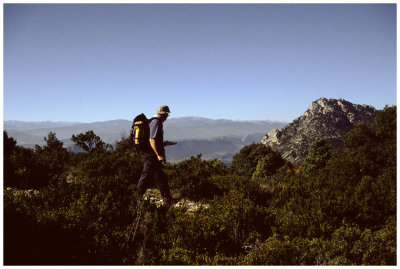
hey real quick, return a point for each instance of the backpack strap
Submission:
(153, 118)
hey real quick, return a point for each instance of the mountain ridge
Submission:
(31, 125)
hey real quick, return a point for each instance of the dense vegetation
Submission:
(338, 207)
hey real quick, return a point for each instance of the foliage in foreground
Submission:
(338, 208)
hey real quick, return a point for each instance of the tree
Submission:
(373, 145)
(52, 141)
(52, 157)
(268, 165)
(386, 120)
(125, 144)
(89, 141)
(10, 145)
(245, 162)
(319, 154)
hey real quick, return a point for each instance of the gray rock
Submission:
(324, 118)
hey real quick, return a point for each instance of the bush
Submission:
(338, 208)
(245, 162)
(268, 165)
(191, 178)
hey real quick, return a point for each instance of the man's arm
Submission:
(153, 146)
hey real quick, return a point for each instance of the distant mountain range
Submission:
(30, 125)
(212, 138)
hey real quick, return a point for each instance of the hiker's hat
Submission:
(163, 110)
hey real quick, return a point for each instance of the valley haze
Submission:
(219, 138)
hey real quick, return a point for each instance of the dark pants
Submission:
(153, 173)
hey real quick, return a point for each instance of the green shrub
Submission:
(191, 178)
(245, 162)
(340, 209)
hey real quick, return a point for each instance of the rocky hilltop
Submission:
(325, 118)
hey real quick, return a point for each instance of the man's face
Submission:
(164, 117)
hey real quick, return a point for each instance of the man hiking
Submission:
(154, 156)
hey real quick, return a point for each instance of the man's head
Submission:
(163, 112)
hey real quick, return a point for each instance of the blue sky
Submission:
(102, 62)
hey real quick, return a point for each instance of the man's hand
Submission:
(169, 143)
(161, 158)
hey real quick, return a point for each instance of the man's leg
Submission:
(145, 178)
(161, 180)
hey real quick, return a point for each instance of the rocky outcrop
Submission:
(153, 196)
(325, 118)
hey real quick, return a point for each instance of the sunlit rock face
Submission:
(324, 118)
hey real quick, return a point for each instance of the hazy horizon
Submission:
(171, 118)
